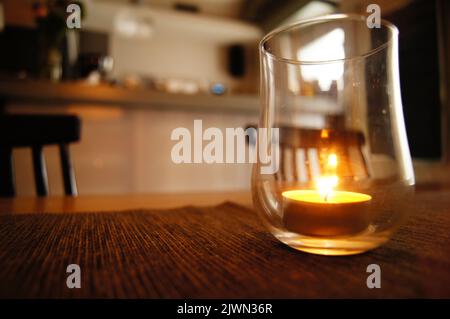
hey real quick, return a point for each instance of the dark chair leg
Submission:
(70, 185)
(40, 171)
(7, 188)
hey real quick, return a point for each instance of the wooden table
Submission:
(130, 246)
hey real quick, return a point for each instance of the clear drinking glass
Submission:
(332, 108)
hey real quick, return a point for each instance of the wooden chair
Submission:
(37, 131)
(300, 153)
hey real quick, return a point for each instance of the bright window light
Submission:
(129, 24)
(311, 10)
(327, 47)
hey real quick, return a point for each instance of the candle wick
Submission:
(326, 197)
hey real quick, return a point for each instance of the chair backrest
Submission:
(37, 131)
(301, 153)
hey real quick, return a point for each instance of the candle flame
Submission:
(332, 160)
(325, 184)
(324, 133)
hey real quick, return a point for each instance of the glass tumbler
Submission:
(332, 128)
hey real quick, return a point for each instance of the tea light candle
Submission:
(308, 212)
(324, 211)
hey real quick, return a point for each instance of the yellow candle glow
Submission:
(325, 211)
(336, 197)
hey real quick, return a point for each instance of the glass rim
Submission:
(318, 20)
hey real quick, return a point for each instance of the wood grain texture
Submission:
(221, 251)
(112, 203)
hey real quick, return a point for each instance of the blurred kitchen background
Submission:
(138, 69)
